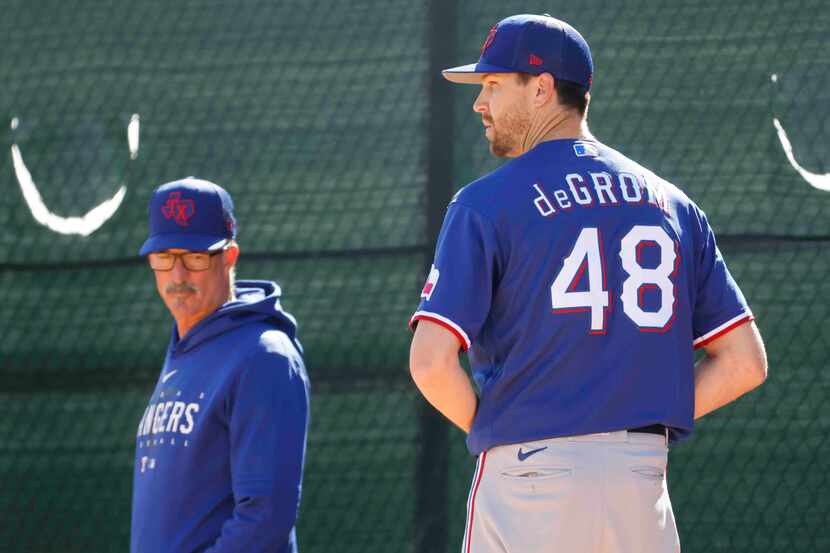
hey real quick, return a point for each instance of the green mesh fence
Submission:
(329, 125)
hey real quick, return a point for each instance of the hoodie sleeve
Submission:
(268, 421)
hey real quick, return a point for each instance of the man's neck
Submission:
(184, 326)
(557, 125)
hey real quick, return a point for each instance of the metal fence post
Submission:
(433, 457)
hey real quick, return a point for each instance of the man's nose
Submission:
(480, 104)
(178, 272)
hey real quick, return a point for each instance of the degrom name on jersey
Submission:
(575, 231)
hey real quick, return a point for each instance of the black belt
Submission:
(650, 429)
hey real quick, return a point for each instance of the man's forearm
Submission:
(448, 389)
(434, 366)
(734, 367)
(711, 391)
(259, 524)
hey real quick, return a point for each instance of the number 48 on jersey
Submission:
(588, 255)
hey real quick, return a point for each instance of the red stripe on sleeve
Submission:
(733, 326)
(461, 340)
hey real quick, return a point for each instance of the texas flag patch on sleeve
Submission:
(432, 282)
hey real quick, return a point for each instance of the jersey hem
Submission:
(678, 432)
(442, 321)
(723, 329)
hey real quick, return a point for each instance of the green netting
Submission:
(320, 118)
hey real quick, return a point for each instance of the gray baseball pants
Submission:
(598, 493)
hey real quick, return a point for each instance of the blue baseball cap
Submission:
(532, 44)
(191, 214)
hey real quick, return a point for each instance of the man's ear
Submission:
(231, 255)
(545, 90)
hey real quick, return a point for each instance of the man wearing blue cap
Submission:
(220, 448)
(579, 283)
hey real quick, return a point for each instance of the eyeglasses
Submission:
(192, 261)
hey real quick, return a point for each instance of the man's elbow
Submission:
(761, 371)
(432, 355)
(428, 367)
(744, 351)
(755, 368)
(424, 368)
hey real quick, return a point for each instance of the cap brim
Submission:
(192, 242)
(472, 73)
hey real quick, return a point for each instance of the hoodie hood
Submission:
(256, 301)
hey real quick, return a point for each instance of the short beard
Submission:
(509, 135)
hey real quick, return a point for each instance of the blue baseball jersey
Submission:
(580, 284)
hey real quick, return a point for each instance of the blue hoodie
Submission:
(220, 448)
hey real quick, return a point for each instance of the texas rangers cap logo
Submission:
(491, 36)
(178, 209)
(432, 282)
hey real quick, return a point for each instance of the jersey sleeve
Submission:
(719, 305)
(459, 289)
(268, 421)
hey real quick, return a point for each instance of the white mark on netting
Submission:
(133, 129)
(95, 217)
(816, 180)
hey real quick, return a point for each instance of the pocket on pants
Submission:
(650, 473)
(531, 473)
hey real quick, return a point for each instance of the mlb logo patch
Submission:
(585, 149)
(432, 282)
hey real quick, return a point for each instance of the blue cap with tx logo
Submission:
(532, 44)
(191, 214)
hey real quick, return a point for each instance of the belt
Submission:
(658, 429)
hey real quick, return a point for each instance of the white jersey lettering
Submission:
(188, 415)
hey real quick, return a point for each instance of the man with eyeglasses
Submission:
(220, 448)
